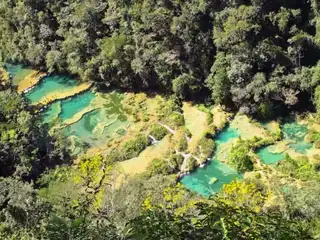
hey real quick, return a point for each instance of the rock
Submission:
(213, 180)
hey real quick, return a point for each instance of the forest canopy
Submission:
(250, 55)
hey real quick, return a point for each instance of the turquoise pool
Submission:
(51, 84)
(200, 180)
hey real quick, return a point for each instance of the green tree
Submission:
(239, 156)
(218, 81)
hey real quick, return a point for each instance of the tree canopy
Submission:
(243, 54)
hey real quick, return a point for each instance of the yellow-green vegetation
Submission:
(300, 168)
(240, 194)
(195, 121)
(220, 117)
(158, 131)
(142, 108)
(63, 94)
(247, 127)
(140, 163)
(4, 77)
(29, 81)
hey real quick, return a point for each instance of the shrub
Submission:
(159, 166)
(265, 110)
(176, 119)
(134, 147)
(239, 157)
(207, 146)
(192, 164)
(176, 160)
(317, 144)
(180, 141)
(299, 168)
(158, 132)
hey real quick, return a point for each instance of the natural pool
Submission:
(49, 85)
(18, 72)
(100, 121)
(202, 179)
(296, 133)
(66, 109)
(268, 157)
(73, 105)
(98, 126)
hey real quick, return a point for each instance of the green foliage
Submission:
(249, 55)
(132, 148)
(317, 99)
(241, 194)
(192, 164)
(235, 25)
(218, 81)
(233, 48)
(158, 132)
(175, 161)
(314, 137)
(179, 140)
(175, 119)
(160, 167)
(239, 156)
(26, 146)
(205, 149)
(185, 85)
(299, 168)
(216, 219)
(265, 110)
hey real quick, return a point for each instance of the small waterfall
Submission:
(187, 138)
(154, 141)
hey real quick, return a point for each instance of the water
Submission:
(49, 85)
(73, 105)
(296, 133)
(19, 72)
(95, 128)
(268, 157)
(52, 112)
(200, 180)
(226, 135)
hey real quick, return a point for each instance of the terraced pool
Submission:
(210, 179)
(50, 85)
(296, 133)
(99, 118)
(18, 72)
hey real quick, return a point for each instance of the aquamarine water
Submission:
(226, 135)
(296, 132)
(73, 105)
(199, 180)
(96, 127)
(268, 157)
(83, 128)
(18, 72)
(49, 85)
(52, 112)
